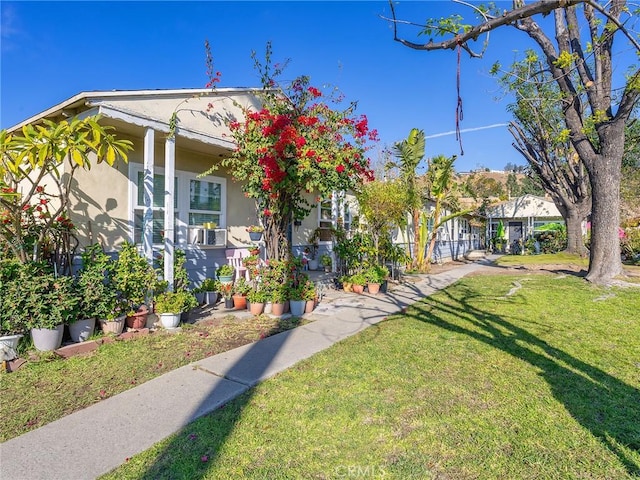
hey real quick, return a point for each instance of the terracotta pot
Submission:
(277, 309)
(358, 288)
(310, 305)
(373, 288)
(256, 308)
(240, 302)
(137, 321)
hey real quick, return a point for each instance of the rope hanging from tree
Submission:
(459, 113)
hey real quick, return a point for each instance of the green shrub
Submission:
(225, 270)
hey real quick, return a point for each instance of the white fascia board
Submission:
(82, 98)
(158, 126)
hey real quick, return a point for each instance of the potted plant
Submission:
(13, 322)
(241, 289)
(255, 232)
(225, 273)
(252, 263)
(310, 295)
(358, 280)
(133, 276)
(210, 287)
(257, 299)
(325, 260)
(50, 302)
(347, 284)
(254, 250)
(277, 297)
(112, 313)
(226, 290)
(170, 305)
(297, 301)
(376, 274)
(314, 239)
(96, 291)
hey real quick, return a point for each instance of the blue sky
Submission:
(54, 50)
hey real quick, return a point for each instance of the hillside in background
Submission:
(498, 185)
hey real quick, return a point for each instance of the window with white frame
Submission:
(325, 219)
(463, 227)
(347, 219)
(196, 201)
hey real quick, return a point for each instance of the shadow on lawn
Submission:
(187, 446)
(607, 407)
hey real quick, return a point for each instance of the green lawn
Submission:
(544, 259)
(501, 377)
(49, 388)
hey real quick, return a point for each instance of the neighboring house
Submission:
(133, 201)
(522, 217)
(454, 238)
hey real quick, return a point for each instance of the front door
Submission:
(515, 231)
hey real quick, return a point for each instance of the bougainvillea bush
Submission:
(300, 143)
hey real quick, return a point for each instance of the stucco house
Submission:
(158, 199)
(522, 217)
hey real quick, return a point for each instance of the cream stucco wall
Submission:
(101, 204)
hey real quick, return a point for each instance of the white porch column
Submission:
(169, 216)
(335, 212)
(147, 220)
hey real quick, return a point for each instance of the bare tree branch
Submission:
(509, 18)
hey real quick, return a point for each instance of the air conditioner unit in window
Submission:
(216, 237)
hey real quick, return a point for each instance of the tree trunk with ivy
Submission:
(276, 240)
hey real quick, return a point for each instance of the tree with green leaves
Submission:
(444, 191)
(410, 152)
(543, 140)
(384, 206)
(579, 55)
(37, 166)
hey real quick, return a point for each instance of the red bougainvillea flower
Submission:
(339, 168)
(314, 91)
(266, 212)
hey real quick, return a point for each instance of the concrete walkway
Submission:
(93, 441)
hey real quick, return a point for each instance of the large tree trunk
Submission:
(605, 262)
(574, 217)
(275, 237)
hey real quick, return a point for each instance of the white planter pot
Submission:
(313, 264)
(170, 320)
(81, 330)
(47, 339)
(8, 346)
